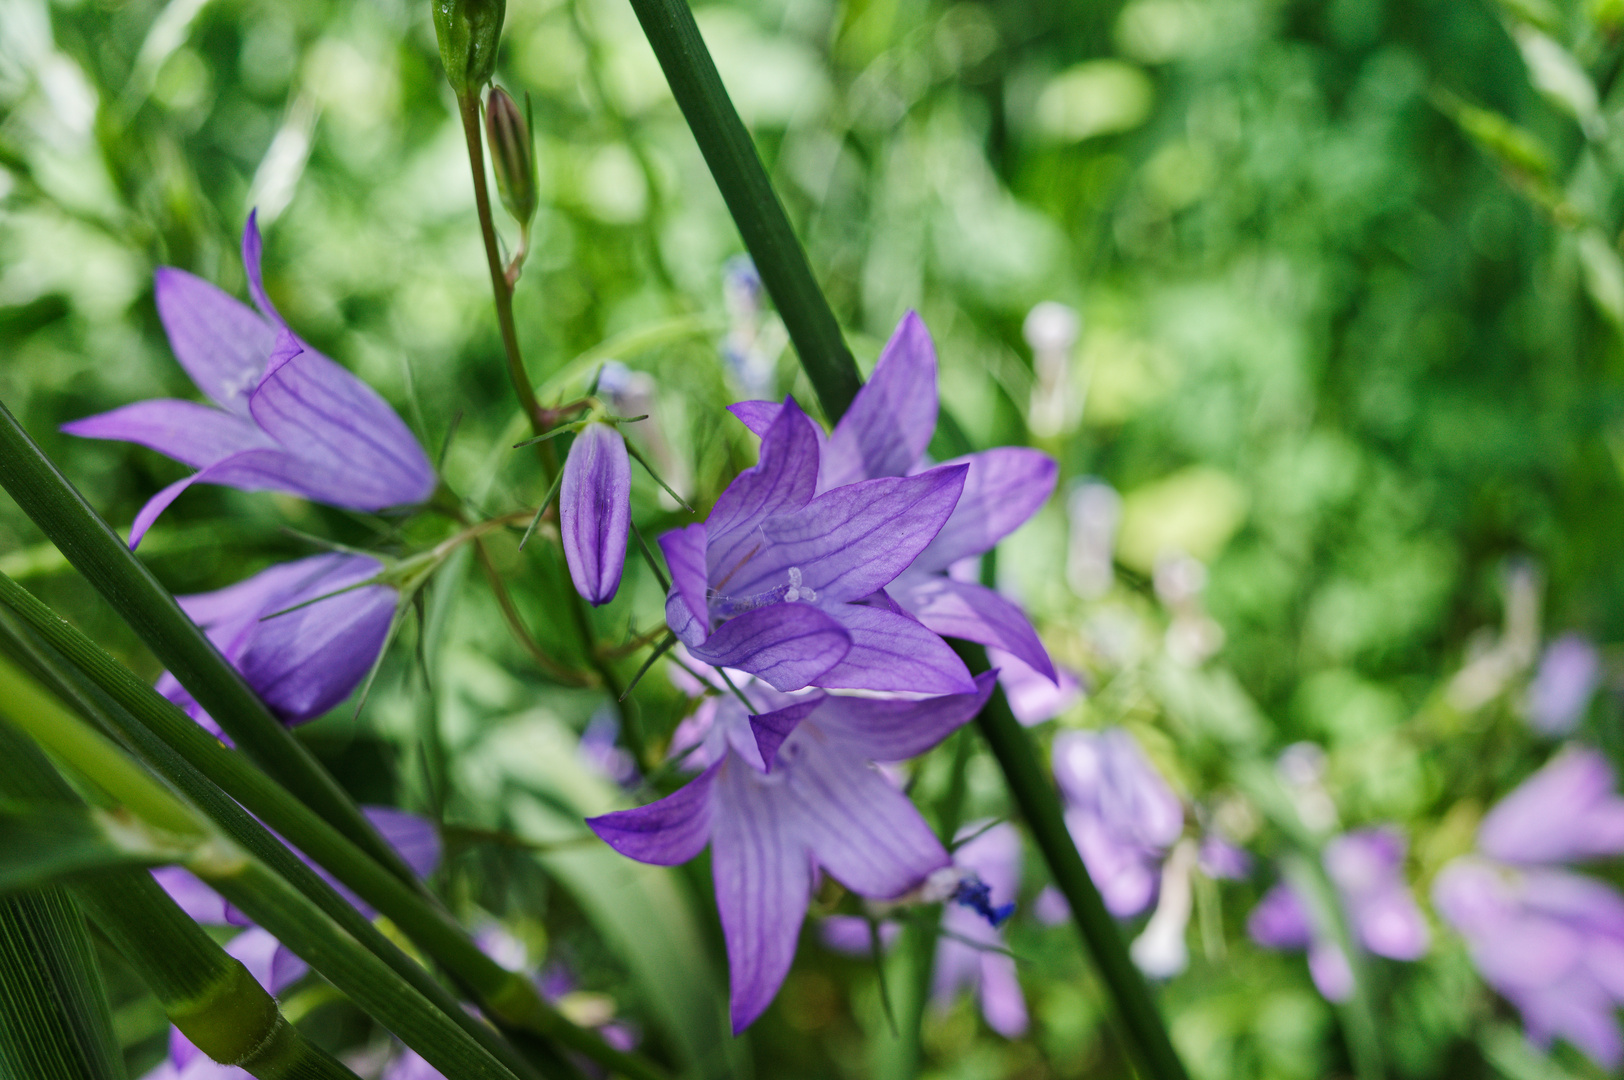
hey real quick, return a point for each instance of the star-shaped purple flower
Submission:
(789, 585)
(302, 633)
(284, 417)
(1549, 941)
(885, 434)
(971, 953)
(783, 793)
(1367, 868)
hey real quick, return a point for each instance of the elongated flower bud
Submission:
(513, 154)
(469, 33)
(595, 511)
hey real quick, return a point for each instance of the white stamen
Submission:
(796, 592)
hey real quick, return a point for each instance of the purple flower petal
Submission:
(305, 661)
(1328, 965)
(1565, 811)
(892, 730)
(1280, 921)
(781, 482)
(893, 652)
(201, 903)
(409, 1066)
(253, 248)
(1567, 679)
(893, 416)
(859, 828)
(786, 645)
(192, 434)
(772, 728)
(1124, 869)
(1002, 1003)
(762, 888)
(414, 838)
(961, 609)
(595, 511)
(853, 540)
(1004, 488)
(758, 416)
(1367, 866)
(685, 609)
(1033, 697)
(853, 935)
(1108, 775)
(219, 340)
(667, 832)
(357, 452)
(272, 964)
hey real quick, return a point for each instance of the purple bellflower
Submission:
(1367, 868)
(1550, 941)
(271, 963)
(1121, 813)
(595, 511)
(1034, 697)
(1562, 688)
(284, 417)
(885, 434)
(784, 793)
(301, 661)
(970, 952)
(789, 585)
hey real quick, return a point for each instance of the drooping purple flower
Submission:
(1551, 942)
(272, 964)
(1120, 811)
(791, 587)
(885, 434)
(1566, 681)
(970, 953)
(302, 634)
(1034, 697)
(1367, 868)
(787, 791)
(595, 511)
(284, 417)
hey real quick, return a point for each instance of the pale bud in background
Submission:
(1094, 509)
(1052, 330)
(748, 347)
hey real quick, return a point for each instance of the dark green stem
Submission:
(735, 165)
(1039, 804)
(112, 568)
(468, 108)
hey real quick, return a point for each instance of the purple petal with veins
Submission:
(891, 420)
(786, 645)
(595, 511)
(961, 609)
(893, 652)
(1003, 488)
(772, 728)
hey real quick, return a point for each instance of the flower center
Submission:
(726, 607)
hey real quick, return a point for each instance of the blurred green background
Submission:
(1350, 303)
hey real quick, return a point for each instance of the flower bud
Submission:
(513, 154)
(469, 33)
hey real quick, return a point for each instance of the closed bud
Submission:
(469, 33)
(513, 155)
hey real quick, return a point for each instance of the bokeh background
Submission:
(1318, 304)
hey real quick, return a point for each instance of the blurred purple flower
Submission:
(784, 792)
(1551, 942)
(271, 963)
(1220, 859)
(595, 511)
(285, 417)
(852, 935)
(791, 588)
(970, 953)
(301, 661)
(1367, 868)
(885, 434)
(1033, 696)
(1566, 681)
(1120, 811)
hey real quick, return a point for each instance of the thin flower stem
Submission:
(637, 643)
(648, 557)
(501, 291)
(47, 497)
(670, 28)
(749, 708)
(1035, 796)
(515, 624)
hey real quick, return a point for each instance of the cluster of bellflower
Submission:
(839, 563)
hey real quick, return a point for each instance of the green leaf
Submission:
(38, 845)
(54, 1019)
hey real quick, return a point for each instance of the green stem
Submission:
(501, 291)
(112, 568)
(736, 167)
(54, 1019)
(179, 748)
(1038, 802)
